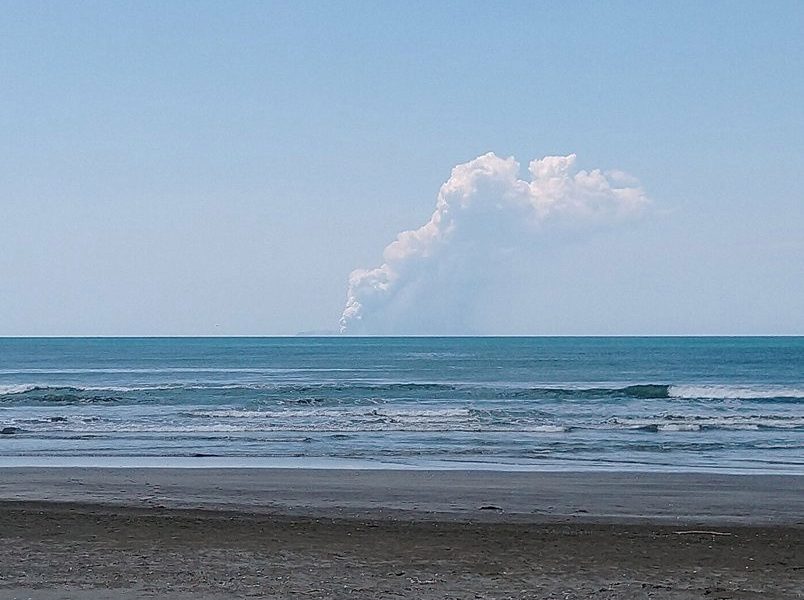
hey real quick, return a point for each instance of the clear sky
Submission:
(221, 167)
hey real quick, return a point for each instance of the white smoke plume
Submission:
(483, 213)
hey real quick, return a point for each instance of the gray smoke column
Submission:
(484, 210)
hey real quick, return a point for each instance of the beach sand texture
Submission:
(141, 533)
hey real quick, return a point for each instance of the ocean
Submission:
(704, 404)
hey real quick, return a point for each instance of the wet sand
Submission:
(182, 533)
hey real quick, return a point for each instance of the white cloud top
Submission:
(483, 209)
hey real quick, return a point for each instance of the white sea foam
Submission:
(544, 429)
(10, 390)
(679, 427)
(17, 388)
(737, 392)
(443, 413)
(697, 423)
(354, 412)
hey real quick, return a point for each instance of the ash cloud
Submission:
(431, 276)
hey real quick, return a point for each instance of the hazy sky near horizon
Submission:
(191, 168)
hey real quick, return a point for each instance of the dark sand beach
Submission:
(282, 533)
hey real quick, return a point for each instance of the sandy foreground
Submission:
(303, 533)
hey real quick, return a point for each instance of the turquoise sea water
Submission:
(713, 404)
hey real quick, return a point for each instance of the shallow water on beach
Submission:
(682, 404)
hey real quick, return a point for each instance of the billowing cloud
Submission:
(484, 213)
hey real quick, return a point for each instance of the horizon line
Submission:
(397, 336)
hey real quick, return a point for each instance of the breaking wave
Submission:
(380, 391)
(736, 392)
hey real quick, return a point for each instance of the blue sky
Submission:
(220, 168)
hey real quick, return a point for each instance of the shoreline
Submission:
(417, 495)
(207, 462)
